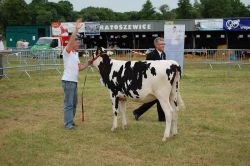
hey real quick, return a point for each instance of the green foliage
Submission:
(216, 8)
(185, 9)
(166, 13)
(44, 17)
(197, 9)
(97, 14)
(15, 12)
(239, 9)
(148, 12)
(18, 12)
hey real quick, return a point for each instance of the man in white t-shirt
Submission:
(72, 66)
(1, 43)
(25, 44)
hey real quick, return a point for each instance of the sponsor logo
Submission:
(232, 24)
(236, 24)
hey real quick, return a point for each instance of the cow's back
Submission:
(139, 79)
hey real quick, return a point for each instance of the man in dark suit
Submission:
(157, 54)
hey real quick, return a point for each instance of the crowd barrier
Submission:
(217, 56)
(26, 60)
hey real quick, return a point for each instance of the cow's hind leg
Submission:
(123, 110)
(173, 103)
(115, 104)
(168, 115)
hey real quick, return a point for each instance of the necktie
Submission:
(162, 56)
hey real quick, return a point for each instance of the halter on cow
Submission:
(143, 81)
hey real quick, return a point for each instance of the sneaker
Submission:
(136, 116)
(70, 128)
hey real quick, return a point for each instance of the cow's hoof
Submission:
(164, 139)
(174, 134)
(113, 129)
(124, 127)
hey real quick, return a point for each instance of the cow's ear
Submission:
(99, 51)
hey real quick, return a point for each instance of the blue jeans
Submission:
(70, 102)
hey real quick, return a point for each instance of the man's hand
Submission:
(79, 24)
(90, 61)
(69, 46)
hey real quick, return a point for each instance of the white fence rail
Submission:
(26, 60)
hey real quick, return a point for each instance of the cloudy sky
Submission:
(122, 5)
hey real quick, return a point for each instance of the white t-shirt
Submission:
(1, 45)
(71, 69)
(26, 44)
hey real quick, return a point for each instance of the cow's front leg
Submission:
(123, 110)
(115, 104)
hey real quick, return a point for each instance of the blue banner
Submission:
(92, 28)
(174, 36)
(236, 24)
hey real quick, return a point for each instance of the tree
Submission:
(1, 17)
(239, 9)
(197, 9)
(166, 13)
(184, 10)
(65, 10)
(15, 12)
(36, 7)
(148, 11)
(216, 8)
(40, 10)
(44, 17)
(97, 14)
(133, 15)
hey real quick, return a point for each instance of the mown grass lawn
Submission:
(214, 130)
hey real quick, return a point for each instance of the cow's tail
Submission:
(180, 103)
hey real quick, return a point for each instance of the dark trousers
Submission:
(145, 107)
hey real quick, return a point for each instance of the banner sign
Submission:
(241, 24)
(64, 28)
(92, 28)
(174, 36)
(126, 27)
(209, 24)
(131, 26)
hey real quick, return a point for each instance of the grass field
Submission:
(214, 130)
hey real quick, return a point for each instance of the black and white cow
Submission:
(144, 81)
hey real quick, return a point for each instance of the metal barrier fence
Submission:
(191, 56)
(217, 56)
(26, 60)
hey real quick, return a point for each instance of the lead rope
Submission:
(85, 79)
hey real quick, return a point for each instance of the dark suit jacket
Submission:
(154, 55)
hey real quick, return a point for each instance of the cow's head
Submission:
(99, 55)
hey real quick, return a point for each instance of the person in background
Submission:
(1, 43)
(72, 66)
(25, 44)
(157, 54)
(19, 43)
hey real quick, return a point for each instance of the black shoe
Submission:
(136, 116)
(73, 124)
(162, 120)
